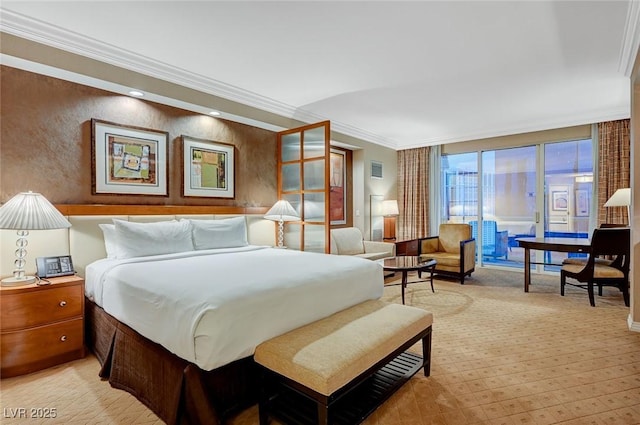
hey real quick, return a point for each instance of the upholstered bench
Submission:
(340, 368)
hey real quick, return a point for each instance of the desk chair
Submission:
(613, 242)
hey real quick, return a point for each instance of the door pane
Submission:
(290, 150)
(291, 177)
(313, 207)
(568, 176)
(460, 189)
(314, 238)
(508, 204)
(314, 173)
(314, 143)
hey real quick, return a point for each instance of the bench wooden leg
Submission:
(263, 402)
(323, 414)
(426, 353)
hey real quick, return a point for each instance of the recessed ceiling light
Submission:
(214, 113)
(136, 93)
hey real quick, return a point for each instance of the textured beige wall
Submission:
(45, 142)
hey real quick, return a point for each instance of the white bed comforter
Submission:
(212, 307)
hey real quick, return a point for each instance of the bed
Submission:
(196, 366)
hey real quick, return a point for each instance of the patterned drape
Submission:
(614, 169)
(413, 193)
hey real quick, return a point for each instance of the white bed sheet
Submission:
(212, 307)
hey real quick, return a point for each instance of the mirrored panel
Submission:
(314, 207)
(290, 147)
(295, 201)
(314, 238)
(292, 235)
(314, 143)
(291, 177)
(314, 175)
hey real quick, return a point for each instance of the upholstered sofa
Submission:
(349, 241)
(453, 249)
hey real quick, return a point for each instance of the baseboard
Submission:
(633, 326)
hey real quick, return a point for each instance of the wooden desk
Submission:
(549, 244)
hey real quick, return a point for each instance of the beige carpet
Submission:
(500, 356)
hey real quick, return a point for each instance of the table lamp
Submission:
(282, 211)
(390, 212)
(621, 198)
(27, 211)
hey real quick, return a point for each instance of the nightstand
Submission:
(41, 326)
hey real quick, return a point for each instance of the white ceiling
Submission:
(400, 74)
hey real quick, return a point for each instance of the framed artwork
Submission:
(127, 160)
(377, 219)
(207, 168)
(337, 187)
(582, 203)
(559, 200)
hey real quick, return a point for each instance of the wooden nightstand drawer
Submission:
(37, 348)
(41, 307)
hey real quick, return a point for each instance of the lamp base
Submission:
(18, 281)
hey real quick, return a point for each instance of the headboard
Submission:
(84, 241)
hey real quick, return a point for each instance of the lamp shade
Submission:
(31, 211)
(282, 210)
(620, 198)
(390, 208)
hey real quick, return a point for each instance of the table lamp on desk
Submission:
(621, 198)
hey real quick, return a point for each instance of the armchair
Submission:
(453, 249)
(494, 243)
(614, 242)
(349, 241)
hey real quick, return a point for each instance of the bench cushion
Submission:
(328, 354)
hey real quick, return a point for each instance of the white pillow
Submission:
(110, 241)
(225, 233)
(143, 239)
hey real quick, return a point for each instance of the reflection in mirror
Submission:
(290, 147)
(314, 144)
(314, 207)
(291, 177)
(314, 175)
(314, 238)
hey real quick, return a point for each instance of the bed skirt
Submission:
(178, 391)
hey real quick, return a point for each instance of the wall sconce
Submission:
(390, 212)
(281, 211)
(28, 211)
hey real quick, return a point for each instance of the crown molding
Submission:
(59, 38)
(567, 121)
(631, 39)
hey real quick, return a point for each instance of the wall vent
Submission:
(376, 170)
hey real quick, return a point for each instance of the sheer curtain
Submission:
(413, 193)
(614, 172)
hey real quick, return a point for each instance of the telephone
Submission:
(54, 266)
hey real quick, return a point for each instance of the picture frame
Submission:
(582, 203)
(128, 160)
(559, 200)
(337, 187)
(208, 168)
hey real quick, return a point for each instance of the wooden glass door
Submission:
(303, 180)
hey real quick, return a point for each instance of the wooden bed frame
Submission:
(176, 390)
